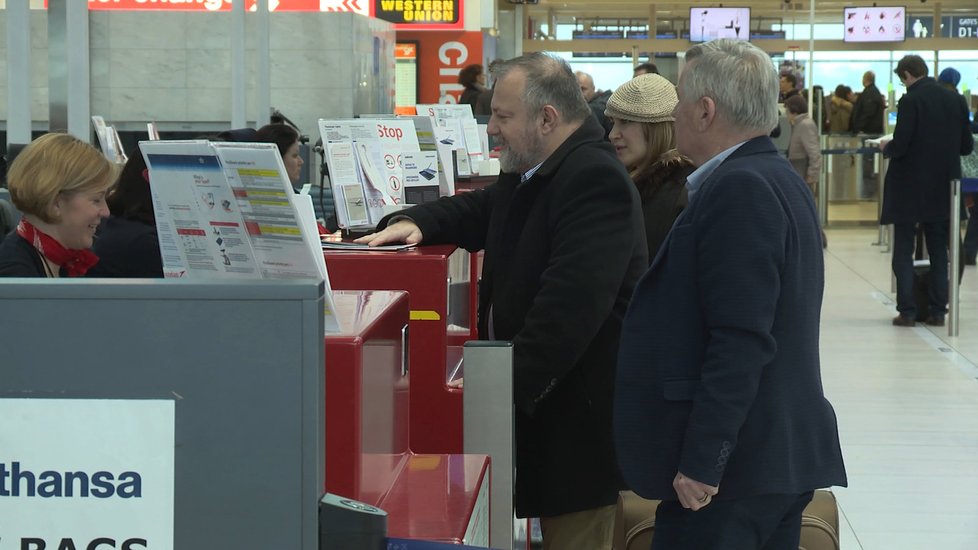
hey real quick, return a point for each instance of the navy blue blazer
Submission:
(718, 369)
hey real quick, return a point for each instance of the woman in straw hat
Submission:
(644, 138)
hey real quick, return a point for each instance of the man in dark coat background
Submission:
(719, 408)
(930, 137)
(867, 113)
(564, 243)
(867, 118)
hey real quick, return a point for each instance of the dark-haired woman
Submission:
(127, 244)
(287, 140)
(473, 78)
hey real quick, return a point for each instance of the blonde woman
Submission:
(59, 182)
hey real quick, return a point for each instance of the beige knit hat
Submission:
(645, 98)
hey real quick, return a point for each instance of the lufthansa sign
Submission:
(93, 474)
(420, 13)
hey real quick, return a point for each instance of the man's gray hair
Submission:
(739, 77)
(549, 81)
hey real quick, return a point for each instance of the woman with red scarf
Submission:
(59, 182)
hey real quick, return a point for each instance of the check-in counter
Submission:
(430, 497)
(442, 498)
(437, 279)
(367, 395)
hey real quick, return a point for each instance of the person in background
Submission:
(930, 137)
(949, 78)
(867, 112)
(788, 85)
(564, 245)
(719, 408)
(287, 140)
(840, 109)
(483, 104)
(645, 140)
(127, 243)
(597, 101)
(804, 153)
(473, 79)
(59, 183)
(645, 68)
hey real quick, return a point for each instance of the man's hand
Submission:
(883, 143)
(401, 231)
(693, 494)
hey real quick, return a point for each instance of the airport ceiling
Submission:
(787, 11)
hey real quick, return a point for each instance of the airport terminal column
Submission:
(954, 248)
(18, 72)
(264, 91)
(238, 84)
(69, 81)
(488, 428)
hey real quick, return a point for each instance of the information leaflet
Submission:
(367, 175)
(432, 137)
(201, 231)
(227, 210)
(459, 118)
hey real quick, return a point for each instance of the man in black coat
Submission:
(564, 243)
(719, 409)
(867, 113)
(930, 137)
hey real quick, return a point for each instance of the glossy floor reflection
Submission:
(907, 402)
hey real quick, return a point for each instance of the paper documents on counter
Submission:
(358, 247)
(876, 141)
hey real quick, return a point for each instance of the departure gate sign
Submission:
(420, 14)
(86, 473)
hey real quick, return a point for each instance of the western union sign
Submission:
(418, 12)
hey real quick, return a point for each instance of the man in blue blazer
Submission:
(719, 408)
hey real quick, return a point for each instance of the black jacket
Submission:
(598, 105)
(662, 189)
(18, 258)
(718, 372)
(126, 248)
(930, 137)
(867, 113)
(562, 254)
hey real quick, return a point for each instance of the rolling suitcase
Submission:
(635, 522)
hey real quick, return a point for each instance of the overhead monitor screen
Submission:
(707, 24)
(874, 24)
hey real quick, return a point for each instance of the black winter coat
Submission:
(867, 113)
(563, 252)
(662, 189)
(930, 137)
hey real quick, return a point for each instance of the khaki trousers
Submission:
(586, 530)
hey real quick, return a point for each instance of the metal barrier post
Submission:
(954, 249)
(488, 428)
(822, 198)
(886, 232)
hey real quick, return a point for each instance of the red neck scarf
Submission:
(75, 262)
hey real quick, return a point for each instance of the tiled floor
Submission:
(907, 402)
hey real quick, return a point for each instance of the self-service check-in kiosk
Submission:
(437, 279)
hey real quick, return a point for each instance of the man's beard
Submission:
(513, 162)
